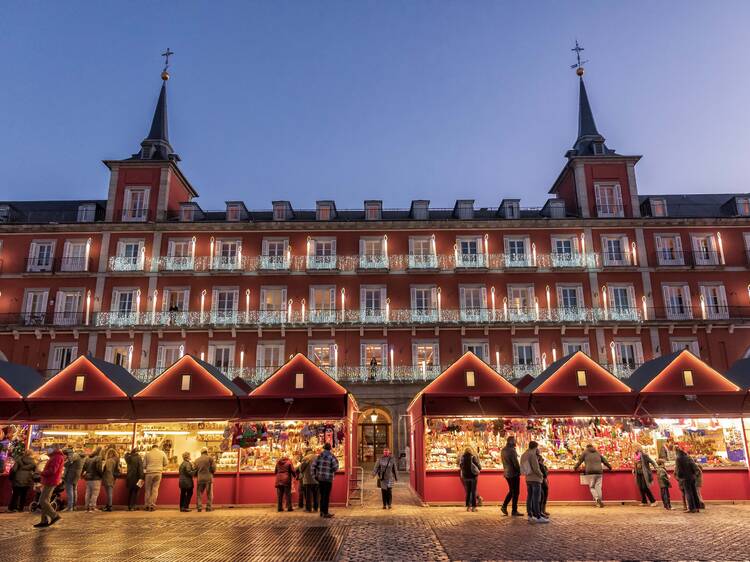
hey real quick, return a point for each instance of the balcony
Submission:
(423, 261)
(124, 263)
(471, 261)
(619, 313)
(59, 265)
(273, 263)
(225, 317)
(609, 210)
(118, 319)
(373, 262)
(617, 259)
(177, 263)
(678, 312)
(622, 370)
(39, 265)
(424, 316)
(272, 317)
(373, 316)
(561, 260)
(226, 263)
(667, 257)
(474, 315)
(133, 214)
(321, 263)
(322, 316)
(518, 261)
(717, 312)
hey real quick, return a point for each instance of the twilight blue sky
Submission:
(395, 100)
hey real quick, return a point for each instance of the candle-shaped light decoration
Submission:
(533, 254)
(549, 303)
(387, 310)
(492, 299)
(439, 303)
(455, 255)
(335, 355)
(182, 350)
(203, 355)
(583, 248)
(505, 308)
(343, 304)
(424, 368)
(242, 360)
(138, 301)
(288, 256)
(645, 307)
(536, 307)
(748, 290)
(289, 310)
(303, 310)
(487, 250)
(390, 364)
(497, 361)
(153, 310)
(88, 305)
(142, 260)
(192, 247)
(604, 302)
(309, 243)
(385, 247)
(432, 245)
(203, 303)
(238, 265)
(544, 361)
(703, 307)
(721, 248)
(88, 254)
(613, 352)
(554, 354)
(211, 250)
(633, 253)
(247, 305)
(130, 357)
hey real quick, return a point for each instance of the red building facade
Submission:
(375, 295)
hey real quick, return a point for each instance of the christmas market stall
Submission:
(739, 374)
(686, 403)
(468, 405)
(186, 408)
(16, 381)
(86, 406)
(299, 407)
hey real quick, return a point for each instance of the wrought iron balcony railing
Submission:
(59, 265)
(373, 262)
(426, 261)
(519, 260)
(176, 263)
(321, 262)
(273, 263)
(126, 263)
(471, 261)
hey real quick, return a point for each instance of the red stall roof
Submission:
(298, 389)
(16, 381)
(681, 383)
(470, 387)
(86, 389)
(576, 385)
(189, 389)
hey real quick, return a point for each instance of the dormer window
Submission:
(324, 211)
(185, 383)
(146, 152)
(557, 209)
(464, 209)
(86, 212)
(420, 210)
(373, 210)
(658, 207)
(187, 214)
(598, 148)
(234, 211)
(282, 210)
(470, 379)
(80, 380)
(581, 378)
(743, 206)
(4, 213)
(687, 378)
(510, 209)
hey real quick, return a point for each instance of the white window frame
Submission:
(607, 258)
(56, 349)
(421, 313)
(161, 353)
(662, 259)
(473, 314)
(569, 344)
(560, 259)
(483, 343)
(260, 350)
(655, 202)
(74, 263)
(672, 312)
(466, 259)
(722, 312)
(86, 213)
(743, 206)
(234, 212)
(371, 314)
(269, 315)
(68, 317)
(169, 291)
(607, 208)
(382, 365)
(632, 305)
(142, 215)
(712, 247)
(34, 249)
(331, 345)
(214, 346)
(435, 354)
(678, 344)
(324, 315)
(324, 212)
(39, 316)
(111, 348)
(373, 212)
(524, 368)
(637, 349)
(517, 260)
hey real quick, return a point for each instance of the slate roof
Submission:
(221, 377)
(646, 372)
(547, 373)
(118, 375)
(739, 373)
(21, 378)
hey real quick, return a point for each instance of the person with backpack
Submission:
(512, 473)
(110, 473)
(593, 468)
(385, 470)
(469, 469)
(21, 478)
(92, 474)
(309, 484)
(534, 477)
(284, 475)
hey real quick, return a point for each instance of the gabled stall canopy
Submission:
(87, 389)
(16, 381)
(576, 385)
(297, 390)
(469, 387)
(190, 389)
(680, 383)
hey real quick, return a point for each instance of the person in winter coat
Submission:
(110, 473)
(93, 470)
(686, 471)
(205, 466)
(134, 475)
(21, 479)
(154, 463)
(663, 477)
(284, 475)
(593, 468)
(545, 483)
(309, 484)
(71, 475)
(534, 476)
(699, 485)
(187, 471)
(469, 469)
(512, 473)
(385, 470)
(50, 478)
(643, 477)
(324, 469)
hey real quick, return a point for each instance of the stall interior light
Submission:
(113, 432)
(64, 432)
(210, 432)
(470, 380)
(687, 376)
(581, 378)
(165, 432)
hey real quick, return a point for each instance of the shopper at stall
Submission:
(664, 485)
(685, 470)
(324, 469)
(545, 483)
(512, 473)
(309, 484)
(93, 470)
(533, 473)
(50, 479)
(71, 475)
(469, 469)
(593, 469)
(385, 470)
(699, 485)
(205, 466)
(21, 478)
(134, 477)
(284, 477)
(154, 463)
(110, 474)
(642, 464)
(187, 471)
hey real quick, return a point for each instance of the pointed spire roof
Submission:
(589, 142)
(156, 145)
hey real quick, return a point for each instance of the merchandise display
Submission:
(176, 438)
(712, 442)
(12, 438)
(84, 437)
(262, 444)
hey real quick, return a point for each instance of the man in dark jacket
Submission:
(205, 466)
(512, 470)
(93, 471)
(324, 469)
(593, 468)
(71, 475)
(685, 470)
(309, 484)
(134, 476)
(21, 479)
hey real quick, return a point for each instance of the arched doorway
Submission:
(375, 430)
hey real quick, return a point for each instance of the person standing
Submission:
(664, 485)
(50, 478)
(92, 474)
(154, 463)
(469, 469)
(545, 483)
(71, 474)
(534, 476)
(685, 470)
(643, 477)
(593, 468)
(21, 479)
(284, 476)
(385, 470)
(309, 484)
(205, 466)
(133, 477)
(699, 485)
(110, 474)
(187, 471)
(512, 473)
(324, 469)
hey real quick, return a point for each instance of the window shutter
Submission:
(618, 197)
(333, 247)
(433, 297)
(484, 297)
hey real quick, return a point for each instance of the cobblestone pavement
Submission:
(408, 532)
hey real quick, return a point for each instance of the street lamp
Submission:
(374, 416)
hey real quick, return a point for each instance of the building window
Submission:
(658, 207)
(565, 252)
(372, 303)
(4, 213)
(517, 252)
(511, 209)
(669, 249)
(715, 301)
(275, 247)
(621, 303)
(420, 210)
(573, 346)
(124, 302)
(422, 254)
(35, 307)
(224, 302)
(79, 383)
(61, 355)
(570, 302)
(628, 356)
(119, 354)
(743, 206)
(464, 210)
(480, 348)
(677, 302)
(41, 253)
(373, 358)
(323, 303)
(425, 356)
(615, 250)
(234, 212)
(68, 307)
(86, 213)
(324, 212)
(273, 307)
(678, 344)
(608, 200)
(167, 355)
(525, 357)
(473, 300)
(135, 206)
(706, 249)
(269, 356)
(581, 378)
(221, 356)
(185, 383)
(520, 299)
(74, 256)
(372, 211)
(280, 211)
(423, 303)
(323, 354)
(176, 300)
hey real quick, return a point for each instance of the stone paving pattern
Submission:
(408, 532)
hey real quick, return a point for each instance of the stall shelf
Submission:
(739, 374)
(298, 407)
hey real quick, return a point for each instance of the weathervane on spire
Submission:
(579, 63)
(166, 54)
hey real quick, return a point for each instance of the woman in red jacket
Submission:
(284, 476)
(51, 476)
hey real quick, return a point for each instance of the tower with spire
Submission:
(149, 184)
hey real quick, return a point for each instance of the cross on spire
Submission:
(166, 54)
(579, 63)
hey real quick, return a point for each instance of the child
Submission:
(664, 485)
